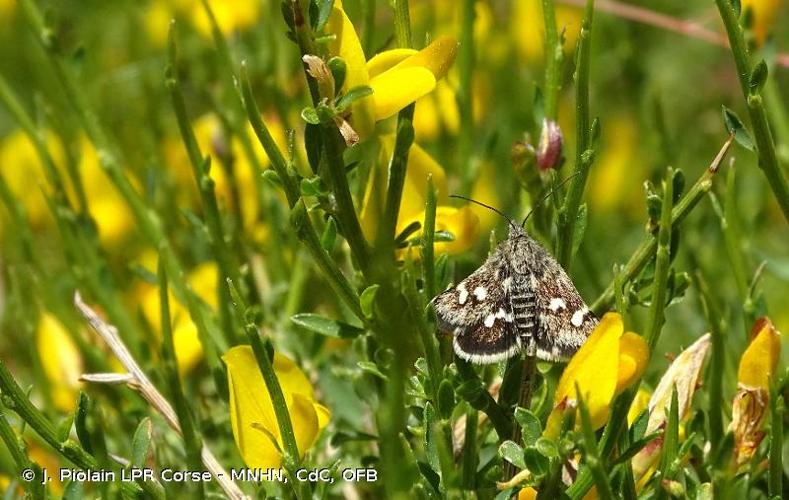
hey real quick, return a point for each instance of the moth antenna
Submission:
(562, 183)
(484, 205)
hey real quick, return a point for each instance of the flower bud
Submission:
(549, 150)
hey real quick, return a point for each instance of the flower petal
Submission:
(684, 375)
(60, 360)
(760, 359)
(436, 57)
(386, 60)
(397, 88)
(252, 414)
(347, 46)
(633, 358)
(594, 369)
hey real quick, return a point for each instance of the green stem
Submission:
(465, 95)
(291, 456)
(583, 153)
(776, 472)
(528, 370)
(480, 399)
(717, 359)
(594, 461)
(768, 160)
(228, 265)
(646, 249)
(553, 60)
(16, 400)
(656, 316)
(299, 218)
(397, 174)
(428, 237)
(192, 441)
(469, 460)
(402, 24)
(149, 223)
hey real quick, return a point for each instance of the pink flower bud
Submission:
(549, 151)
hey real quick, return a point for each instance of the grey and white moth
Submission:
(520, 298)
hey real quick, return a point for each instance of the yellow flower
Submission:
(23, 172)
(188, 349)
(60, 360)
(230, 16)
(398, 77)
(607, 363)
(684, 375)
(757, 367)
(764, 13)
(640, 403)
(251, 409)
(528, 27)
(528, 493)
(461, 223)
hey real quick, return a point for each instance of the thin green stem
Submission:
(469, 459)
(428, 237)
(646, 249)
(402, 21)
(583, 152)
(656, 316)
(768, 160)
(15, 398)
(714, 381)
(776, 471)
(299, 218)
(480, 399)
(594, 461)
(291, 456)
(110, 160)
(192, 441)
(398, 166)
(228, 265)
(465, 95)
(553, 60)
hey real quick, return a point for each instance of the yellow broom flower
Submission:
(758, 365)
(252, 412)
(60, 360)
(764, 13)
(607, 363)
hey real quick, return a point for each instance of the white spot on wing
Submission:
(480, 293)
(489, 320)
(578, 316)
(463, 294)
(556, 304)
(507, 282)
(501, 313)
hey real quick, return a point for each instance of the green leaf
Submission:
(371, 368)
(512, 453)
(342, 437)
(81, 422)
(338, 69)
(635, 448)
(531, 429)
(313, 143)
(431, 445)
(329, 236)
(580, 227)
(639, 426)
(536, 462)
(141, 442)
(64, 428)
(351, 96)
(758, 77)
(446, 398)
(734, 126)
(547, 448)
(313, 186)
(310, 115)
(324, 11)
(671, 436)
(367, 300)
(326, 326)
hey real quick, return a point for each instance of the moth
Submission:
(519, 299)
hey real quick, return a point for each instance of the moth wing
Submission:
(478, 313)
(564, 321)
